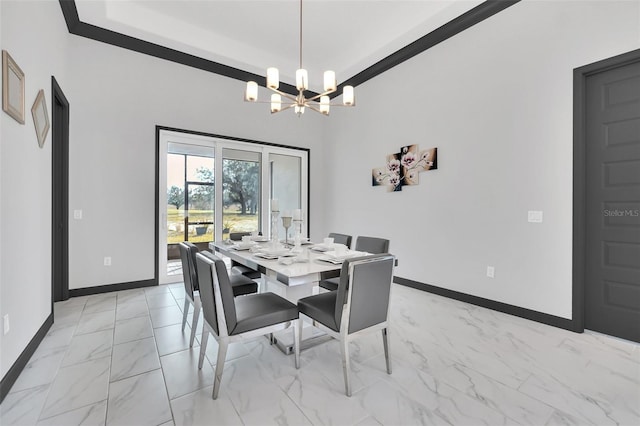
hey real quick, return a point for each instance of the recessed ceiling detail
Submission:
(240, 39)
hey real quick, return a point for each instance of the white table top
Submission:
(294, 274)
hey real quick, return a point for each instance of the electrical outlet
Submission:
(6, 323)
(107, 261)
(491, 271)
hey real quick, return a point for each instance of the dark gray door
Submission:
(612, 273)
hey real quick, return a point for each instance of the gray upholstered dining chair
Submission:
(360, 305)
(241, 286)
(341, 239)
(371, 245)
(191, 296)
(237, 268)
(231, 319)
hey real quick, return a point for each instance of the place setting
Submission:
(335, 253)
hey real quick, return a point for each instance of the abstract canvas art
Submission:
(404, 168)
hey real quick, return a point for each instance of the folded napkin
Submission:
(344, 255)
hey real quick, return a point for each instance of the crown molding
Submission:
(466, 20)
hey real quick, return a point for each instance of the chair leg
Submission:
(194, 321)
(385, 342)
(203, 346)
(185, 312)
(297, 331)
(346, 365)
(222, 354)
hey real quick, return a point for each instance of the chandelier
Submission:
(319, 103)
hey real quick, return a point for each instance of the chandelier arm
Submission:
(289, 106)
(310, 106)
(281, 93)
(314, 98)
(269, 102)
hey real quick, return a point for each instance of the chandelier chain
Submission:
(300, 33)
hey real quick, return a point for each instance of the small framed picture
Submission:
(40, 117)
(12, 88)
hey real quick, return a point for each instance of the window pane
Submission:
(241, 196)
(286, 184)
(199, 169)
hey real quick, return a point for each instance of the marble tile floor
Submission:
(174, 267)
(122, 359)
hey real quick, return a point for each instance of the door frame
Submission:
(59, 191)
(264, 147)
(580, 76)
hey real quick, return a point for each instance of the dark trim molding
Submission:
(230, 138)
(457, 25)
(79, 28)
(212, 135)
(12, 375)
(579, 175)
(529, 314)
(466, 20)
(111, 287)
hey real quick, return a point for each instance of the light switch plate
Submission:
(77, 214)
(535, 216)
(491, 271)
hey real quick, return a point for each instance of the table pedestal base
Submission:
(311, 336)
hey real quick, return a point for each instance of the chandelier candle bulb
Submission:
(251, 93)
(298, 109)
(276, 103)
(324, 104)
(347, 96)
(273, 78)
(302, 79)
(330, 81)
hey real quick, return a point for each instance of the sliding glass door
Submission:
(189, 207)
(211, 186)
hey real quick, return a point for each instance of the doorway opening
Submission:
(59, 193)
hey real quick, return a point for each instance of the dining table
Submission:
(287, 272)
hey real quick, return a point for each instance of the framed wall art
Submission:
(12, 88)
(403, 168)
(40, 117)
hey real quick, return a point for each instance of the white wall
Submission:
(497, 102)
(117, 98)
(34, 34)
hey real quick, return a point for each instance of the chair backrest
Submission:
(372, 245)
(188, 258)
(341, 239)
(364, 290)
(212, 270)
(237, 236)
